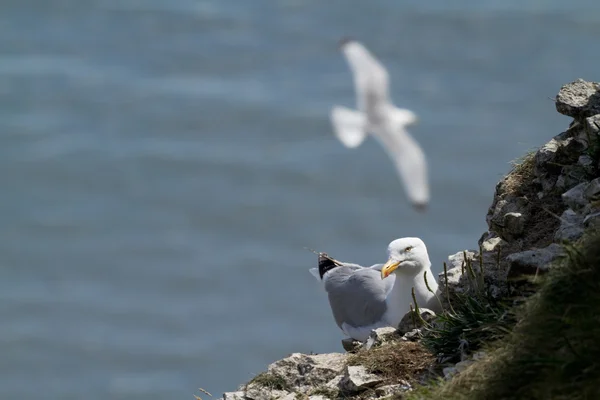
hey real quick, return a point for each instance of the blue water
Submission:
(163, 164)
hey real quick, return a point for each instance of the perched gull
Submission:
(382, 119)
(363, 299)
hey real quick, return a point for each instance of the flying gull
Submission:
(367, 298)
(386, 122)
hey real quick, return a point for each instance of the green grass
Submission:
(554, 350)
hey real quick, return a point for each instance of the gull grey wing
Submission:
(410, 162)
(371, 79)
(357, 297)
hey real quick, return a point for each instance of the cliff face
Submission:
(551, 197)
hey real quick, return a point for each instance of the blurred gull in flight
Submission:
(363, 299)
(386, 122)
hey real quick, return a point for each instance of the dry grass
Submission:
(397, 361)
(522, 173)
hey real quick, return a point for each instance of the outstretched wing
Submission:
(370, 76)
(349, 126)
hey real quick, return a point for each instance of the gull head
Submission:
(406, 255)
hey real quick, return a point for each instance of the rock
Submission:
(592, 190)
(351, 345)
(334, 383)
(412, 336)
(233, 395)
(290, 396)
(259, 392)
(383, 335)
(592, 125)
(449, 372)
(574, 196)
(496, 219)
(412, 321)
(389, 390)
(358, 379)
(571, 226)
(492, 243)
(592, 221)
(514, 223)
(585, 160)
(302, 371)
(462, 365)
(579, 99)
(533, 261)
(318, 397)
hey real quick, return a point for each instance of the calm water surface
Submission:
(163, 164)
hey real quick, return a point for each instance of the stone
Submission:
(351, 345)
(571, 226)
(233, 396)
(531, 262)
(383, 335)
(412, 336)
(489, 241)
(592, 221)
(317, 397)
(389, 390)
(412, 321)
(514, 223)
(592, 190)
(259, 392)
(585, 160)
(462, 365)
(449, 372)
(303, 371)
(579, 99)
(358, 379)
(573, 197)
(592, 125)
(290, 396)
(334, 383)
(495, 219)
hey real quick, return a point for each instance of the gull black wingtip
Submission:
(344, 41)
(420, 207)
(326, 263)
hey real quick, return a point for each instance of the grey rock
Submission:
(358, 379)
(592, 190)
(592, 221)
(303, 371)
(335, 382)
(495, 219)
(462, 365)
(514, 223)
(585, 160)
(412, 336)
(490, 241)
(317, 397)
(533, 261)
(233, 395)
(258, 392)
(290, 396)
(592, 125)
(388, 390)
(351, 345)
(384, 335)
(574, 196)
(457, 259)
(449, 372)
(579, 99)
(412, 321)
(571, 226)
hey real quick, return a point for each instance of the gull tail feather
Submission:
(349, 126)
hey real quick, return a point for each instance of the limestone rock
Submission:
(389, 390)
(318, 397)
(358, 379)
(579, 99)
(233, 396)
(592, 221)
(259, 392)
(533, 261)
(571, 226)
(351, 345)
(592, 125)
(514, 223)
(491, 242)
(412, 321)
(412, 336)
(574, 196)
(302, 371)
(383, 335)
(592, 190)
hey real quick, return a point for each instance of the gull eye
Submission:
(409, 248)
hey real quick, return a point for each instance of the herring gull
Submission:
(387, 123)
(367, 298)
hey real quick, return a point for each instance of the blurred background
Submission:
(163, 164)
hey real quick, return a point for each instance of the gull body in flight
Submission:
(367, 298)
(378, 116)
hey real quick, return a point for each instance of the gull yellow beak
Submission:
(388, 268)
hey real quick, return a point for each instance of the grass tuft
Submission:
(269, 380)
